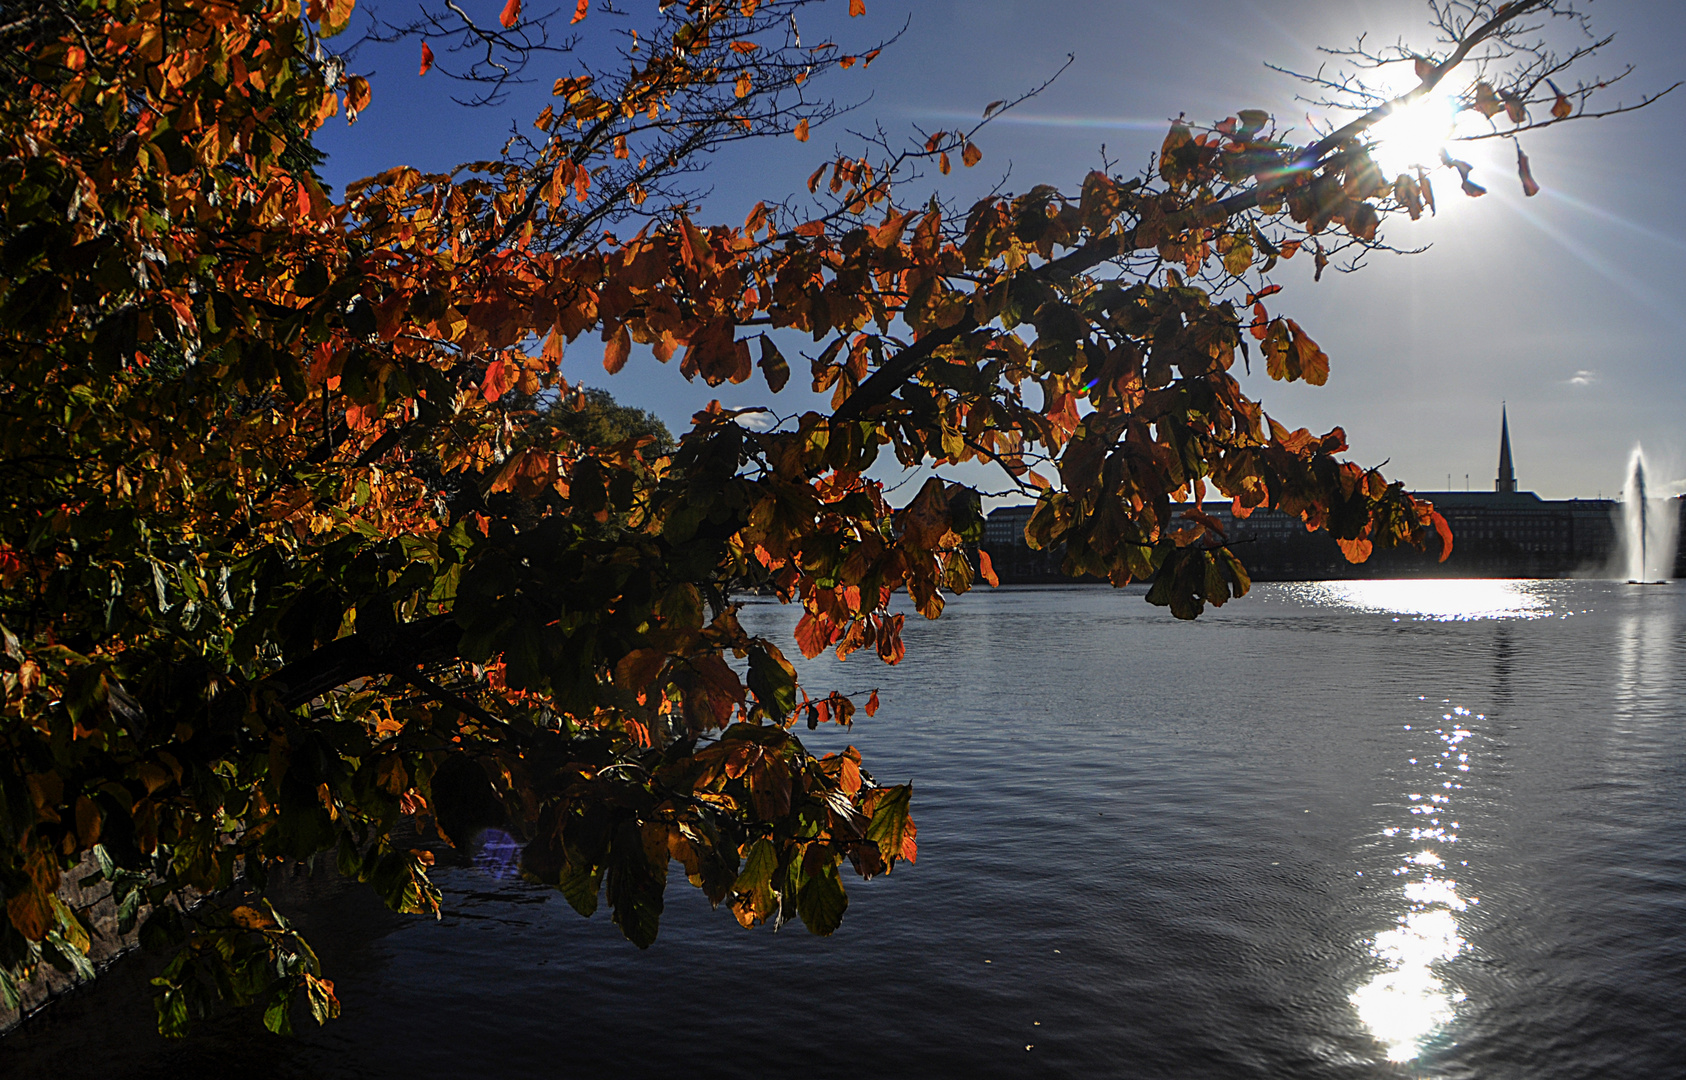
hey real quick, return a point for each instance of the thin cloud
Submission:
(757, 421)
(1583, 377)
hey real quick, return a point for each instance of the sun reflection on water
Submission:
(1409, 1001)
(1439, 600)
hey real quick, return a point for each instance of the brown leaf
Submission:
(88, 819)
(773, 365)
(1406, 194)
(512, 13)
(617, 347)
(1529, 187)
(857, 7)
(925, 522)
(971, 155)
(1362, 222)
(802, 130)
(638, 668)
(1312, 362)
(1487, 102)
(1516, 107)
(30, 906)
(1561, 108)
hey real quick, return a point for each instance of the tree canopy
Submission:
(307, 542)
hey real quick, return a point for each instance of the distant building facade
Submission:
(1500, 533)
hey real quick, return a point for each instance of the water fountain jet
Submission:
(1649, 526)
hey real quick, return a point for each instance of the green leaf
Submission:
(9, 996)
(891, 827)
(821, 901)
(754, 883)
(772, 679)
(580, 886)
(171, 1004)
(634, 887)
(278, 1015)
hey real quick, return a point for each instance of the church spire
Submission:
(1506, 482)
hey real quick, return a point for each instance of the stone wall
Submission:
(95, 902)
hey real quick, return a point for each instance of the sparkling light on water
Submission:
(1405, 1004)
(1444, 600)
(1408, 1002)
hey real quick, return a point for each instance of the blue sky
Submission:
(1570, 306)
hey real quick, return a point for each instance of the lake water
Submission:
(1342, 830)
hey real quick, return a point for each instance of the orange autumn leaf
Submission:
(500, 376)
(617, 348)
(1355, 551)
(1562, 107)
(418, 447)
(357, 95)
(1444, 531)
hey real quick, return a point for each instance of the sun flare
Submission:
(1414, 134)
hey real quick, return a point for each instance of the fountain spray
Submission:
(1648, 532)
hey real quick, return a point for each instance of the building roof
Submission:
(1506, 481)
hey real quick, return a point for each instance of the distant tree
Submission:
(304, 536)
(592, 417)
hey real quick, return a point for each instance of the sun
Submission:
(1413, 135)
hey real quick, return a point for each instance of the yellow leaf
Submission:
(250, 918)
